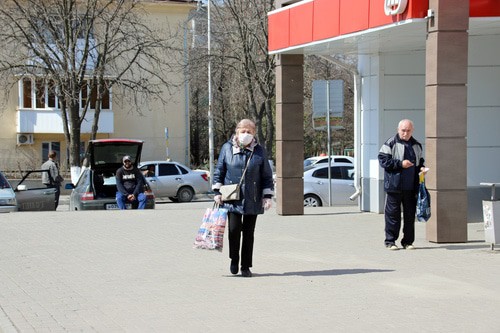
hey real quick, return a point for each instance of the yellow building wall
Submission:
(128, 123)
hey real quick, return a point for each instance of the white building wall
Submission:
(483, 110)
(395, 89)
(483, 120)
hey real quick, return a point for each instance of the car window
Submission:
(148, 170)
(342, 160)
(321, 173)
(308, 162)
(3, 182)
(167, 169)
(337, 173)
(183, 170)
(348, 172)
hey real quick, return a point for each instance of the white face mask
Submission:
(245, 138)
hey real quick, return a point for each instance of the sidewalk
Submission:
(325, 271)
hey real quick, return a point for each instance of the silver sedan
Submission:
(174, 180)
(316, 183)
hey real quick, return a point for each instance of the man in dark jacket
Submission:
(401, 158)
(129, 185)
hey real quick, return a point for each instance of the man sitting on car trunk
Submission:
(130, 185)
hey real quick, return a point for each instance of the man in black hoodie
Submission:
(130, 185)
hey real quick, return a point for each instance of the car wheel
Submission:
(311, 200)
(185, 194)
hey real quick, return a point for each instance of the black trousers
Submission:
(393, 203)
(58, 193)
(241, 225)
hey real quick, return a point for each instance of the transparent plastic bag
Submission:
(210, 235)
(423, 201)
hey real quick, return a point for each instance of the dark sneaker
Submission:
(245, 272)
(234, 269)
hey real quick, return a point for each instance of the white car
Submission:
(8, 202)
(174, 180)
(324, 159)
(316, 185)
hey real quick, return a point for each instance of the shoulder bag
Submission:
(232, 192)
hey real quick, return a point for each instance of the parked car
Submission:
(316, 184)
(96, 186)
(324, 159)
(8, 202)
(30, 194)
(174, 180)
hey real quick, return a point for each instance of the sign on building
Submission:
(327, 95)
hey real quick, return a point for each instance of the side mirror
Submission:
(69, 186)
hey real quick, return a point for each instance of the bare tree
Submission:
(84, 47)
(243, 77)
(242, 70)
(315, 142)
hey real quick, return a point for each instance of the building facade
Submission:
(32, 124)
(434, 62)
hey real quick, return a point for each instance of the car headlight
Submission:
(8, 202)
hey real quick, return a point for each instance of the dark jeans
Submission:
(241, 225)
(393, 203)
(58, 193)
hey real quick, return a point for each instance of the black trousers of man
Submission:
(393, 203)
(58, 193)
(241, 225)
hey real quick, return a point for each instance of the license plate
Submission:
(115, 206)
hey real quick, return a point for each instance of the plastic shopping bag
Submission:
(423, 201)
(210, 235)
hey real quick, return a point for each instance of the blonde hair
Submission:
(246, 123)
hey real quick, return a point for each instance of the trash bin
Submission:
(491, 213)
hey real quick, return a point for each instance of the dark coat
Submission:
(391, 156)
(258, 180)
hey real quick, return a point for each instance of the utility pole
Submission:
(210, 117)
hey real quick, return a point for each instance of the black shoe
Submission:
(245, 272)
(234, 269)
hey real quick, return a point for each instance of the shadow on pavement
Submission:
(328, 272)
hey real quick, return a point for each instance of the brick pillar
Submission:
(289, 134)
(446, 120)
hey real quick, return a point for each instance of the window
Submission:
(44, 94)
(27, 94)
(167, 169)
(91, 93)
(183, 170)
(341, 172)
(48, 146)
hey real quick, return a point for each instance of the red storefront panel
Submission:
(414, 9)
(323, 19)
(353, 15)
(301, 24)
(278, 25)
(326, 18)
(484, 8)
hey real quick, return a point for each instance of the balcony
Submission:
(50, 121)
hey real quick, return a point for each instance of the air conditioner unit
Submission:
(24, 139)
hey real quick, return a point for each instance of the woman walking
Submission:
(256, 191)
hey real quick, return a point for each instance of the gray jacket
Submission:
(258, 182)
(50, 178)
